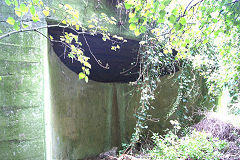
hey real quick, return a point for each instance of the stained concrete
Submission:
(89, 118)
(21, 97)
(86, 119)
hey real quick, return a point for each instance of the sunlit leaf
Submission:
(23, 8)
(165, 51)
(32, 10)
(183, 21)
(24, 26)
(18, 13)
(127, 6)
(86, 79)
(46, 12)
(16, 26)
(35, 1)
(8, 2)
(131, 15)
(0, 78)
(15, 3)
(77, 27)
(205, 41)
(137, 32)
(35, 18)
(41, 3)
(172, 19)
(87, 72)
(51, 37)
(81, 75)
(132, 26)
(91, 26)
(64, 21)
(0, 31)
(10, 20)
(68, 6)
(87, 64)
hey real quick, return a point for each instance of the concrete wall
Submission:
(90, 118)
(21, 94)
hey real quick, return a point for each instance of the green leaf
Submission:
(183, 21)
(172, 19)
(81, 75)
(46, 12)
(87, 71)
(178, 26)
(18, 13)
(16, 3)
(214, 20)
(128, 6)
(137, 32)
(132, 26)
(35, 18)
(8, 2)
(51, 37)
(187, 40)
(162, 7)
(10, 20)
(143, 29)
(87, 64)
(16, 26)
(160, 21)
(0, 31)
(24, 26)
(166, 2)
(35, 1)
(32, 10)
(23, 8)
(86, 79)
(162, 13)
(205, 41)
(91, 26)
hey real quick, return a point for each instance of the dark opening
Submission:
(123, 63)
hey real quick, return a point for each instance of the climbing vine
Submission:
(198, 37)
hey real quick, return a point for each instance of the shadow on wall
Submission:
(123, 63)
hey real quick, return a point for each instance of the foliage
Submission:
(38, 12)
(205, 35)
(195, 145)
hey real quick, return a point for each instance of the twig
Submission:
(105, 67)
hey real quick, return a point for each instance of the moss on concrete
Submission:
(21, 94)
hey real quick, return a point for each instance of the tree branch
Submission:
(37, 28)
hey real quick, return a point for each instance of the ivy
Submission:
(205, 35)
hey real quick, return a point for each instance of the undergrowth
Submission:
(194, 145)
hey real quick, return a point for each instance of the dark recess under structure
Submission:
(123, 63)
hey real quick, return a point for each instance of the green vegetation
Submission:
(195, 145)
(205, 35)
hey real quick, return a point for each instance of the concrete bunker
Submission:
(90, 118)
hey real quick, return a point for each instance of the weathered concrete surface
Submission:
(21, 93)
(89, 118)
(21, 97)
(88, 8)
(83, 116)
